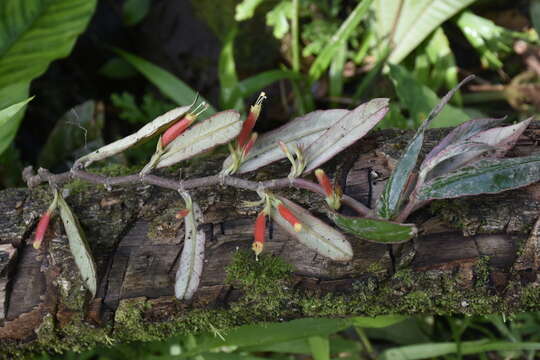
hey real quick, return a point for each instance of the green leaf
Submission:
(134, 11)
(256, 83)
(419, 100)
(33, 33)
(9, 123)
(432, 350)
(405, 24)
(484, 177)
(79, 246)
(338, 40)
(315, 234)
(277, 18)
(203, 136)
(336, 72)
(172, 87)
(379, 231)
(264, 334)
(246, 9)
(77, 131)
(320, 347)
(228, 80)
(376, 322)
(395, 190)
(534, 9)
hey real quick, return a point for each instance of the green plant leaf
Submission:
(488, 176)
(117, 68)
(278, 18)
(228, 80)
(256, 83)
(502, 138)
(9, 123)
(376, 322)
(405, 24)
(34, 33)
(149, 130)
(338, 40)
(134, 11)
(432, 350)
(315, 233)
(419, 100)
(534, 9)
(246, 9)
(335, 73)
(268, 333)
(349, 129)
(395, 190)
(79, 246)
(301, 131)
(375, 230)
(320, 347)
(172, 87)
(190, 268)
(203, 136)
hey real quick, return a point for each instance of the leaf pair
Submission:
(322, 134)
(203, 136)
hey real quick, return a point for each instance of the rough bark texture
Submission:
(474, 255)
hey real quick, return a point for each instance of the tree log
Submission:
(473, 255)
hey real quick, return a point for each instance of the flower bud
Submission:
(251, 119)
(180, 126)
(260, 229)
(41, 229)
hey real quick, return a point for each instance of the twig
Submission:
(45, 175)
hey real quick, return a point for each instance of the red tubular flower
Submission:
(249, 145)
(180, 126)
(182, 213)
(260, 229)
(251, 119)
(324, 181)
(289, 216)
(41, 229)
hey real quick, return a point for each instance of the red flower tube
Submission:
(289, 216)
(180, 126)
(41, 229)
(259, 231)
(324, 181)
(249, 145)
(251, 119)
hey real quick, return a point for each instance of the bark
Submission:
(473, 255)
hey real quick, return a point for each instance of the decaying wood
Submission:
(473, 255)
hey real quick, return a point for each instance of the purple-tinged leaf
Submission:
(451, 158)
(79, 246)
(395, 190)
(462, 133)
(484, 177)
(353, 126)
(315, 233)
(380, 231)
(154, 127)
(301, 131)
(502, 138)
(190, 268)
(218, 129)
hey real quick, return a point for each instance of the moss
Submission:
(129, 322)
(482, 271)
(112, 169)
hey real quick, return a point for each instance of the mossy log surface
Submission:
(473, 255)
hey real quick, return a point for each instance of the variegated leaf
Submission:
(395, 190)
(301, 131)
(345, 132)
(484, 177)
(462, 133)
(190, 268)
(502, 138)
(379, 231)
(451, 158)
(79, 247)
(315, 233)
(156, 126)
(218, 129)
